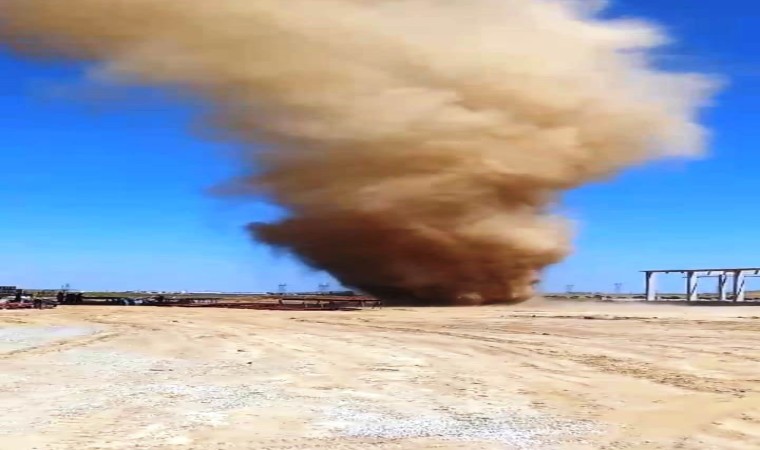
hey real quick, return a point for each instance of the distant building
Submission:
(8, 290)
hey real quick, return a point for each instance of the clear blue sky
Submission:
(115, 198)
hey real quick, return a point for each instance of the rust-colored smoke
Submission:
(418, 145)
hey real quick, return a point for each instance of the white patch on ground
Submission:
(21, 338)
(515, 429)
(159, 392)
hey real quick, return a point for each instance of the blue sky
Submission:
(117, 197)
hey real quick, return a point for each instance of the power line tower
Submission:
(570, 288)
(324, 287)
(283, 288)
(618, 288)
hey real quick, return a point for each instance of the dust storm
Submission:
(418, 147)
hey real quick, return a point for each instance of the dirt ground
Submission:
(546, 374)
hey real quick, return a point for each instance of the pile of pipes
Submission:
(10, 303)
(292, 303)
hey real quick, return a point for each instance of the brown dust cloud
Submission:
(418, 146)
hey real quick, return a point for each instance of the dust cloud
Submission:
(418, 146)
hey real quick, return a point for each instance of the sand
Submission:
(546, 374)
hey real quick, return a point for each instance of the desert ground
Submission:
(541, 375)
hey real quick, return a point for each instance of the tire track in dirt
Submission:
(642, 370)
(618, 366)
(60, 345)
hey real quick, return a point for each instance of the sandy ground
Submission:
(545, 374)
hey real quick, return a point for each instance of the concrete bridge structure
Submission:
(737, 277)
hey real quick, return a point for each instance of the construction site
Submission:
(342, 370)
(546, 374)
(16, 298)
(441, 160)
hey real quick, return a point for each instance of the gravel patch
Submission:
(519, 429)
(176, 406)
(159, 393)
(21, 338)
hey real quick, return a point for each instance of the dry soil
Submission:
(553, 375)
